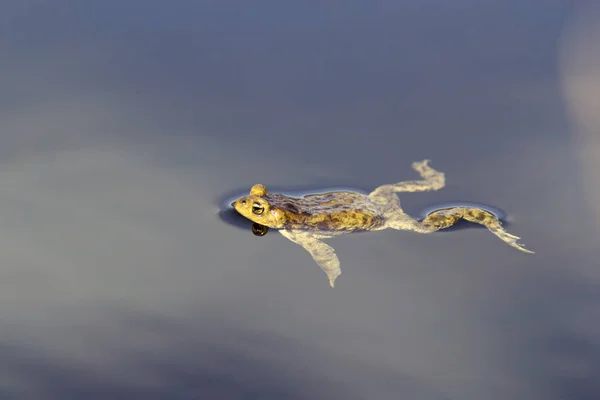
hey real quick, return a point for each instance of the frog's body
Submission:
(314, 217)
(333, 212)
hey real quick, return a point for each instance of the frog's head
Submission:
(257, 209)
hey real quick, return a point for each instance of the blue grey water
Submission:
(125, 124)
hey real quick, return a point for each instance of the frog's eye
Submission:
(257, 208)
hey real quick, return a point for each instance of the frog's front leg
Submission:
(432, 180)
(321, 252)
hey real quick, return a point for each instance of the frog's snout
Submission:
(241, 201)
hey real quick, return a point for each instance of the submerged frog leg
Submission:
(491, 222)
(432, 180)
(445, 218)
(321, 252)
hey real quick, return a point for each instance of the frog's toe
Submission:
(511, 240)
(332, 277)
(420, 164)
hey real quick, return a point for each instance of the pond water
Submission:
(125, 127)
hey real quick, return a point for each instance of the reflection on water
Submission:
(259, 230)
(233, 218)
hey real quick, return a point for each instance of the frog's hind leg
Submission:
(432, 180)
(445, 218)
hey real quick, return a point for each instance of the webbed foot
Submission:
(421, 166)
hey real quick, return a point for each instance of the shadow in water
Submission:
(233, 218)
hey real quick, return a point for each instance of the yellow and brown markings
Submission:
(336, 211)
(442, 219)
(308, 220)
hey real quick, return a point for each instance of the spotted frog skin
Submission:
(312, 218)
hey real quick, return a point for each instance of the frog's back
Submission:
(331, 212)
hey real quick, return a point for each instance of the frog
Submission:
(313, 218)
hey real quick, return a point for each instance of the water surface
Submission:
(124, 124)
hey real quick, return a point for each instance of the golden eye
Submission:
(257, 208)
